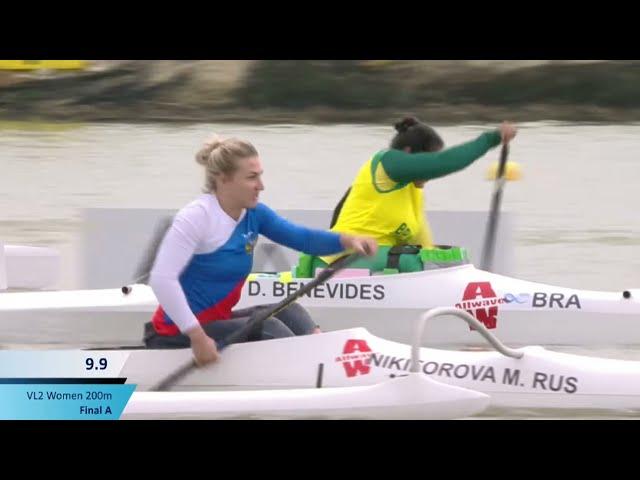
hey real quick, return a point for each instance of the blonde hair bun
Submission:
(203, 155)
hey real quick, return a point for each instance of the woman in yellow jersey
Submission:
(385, 201)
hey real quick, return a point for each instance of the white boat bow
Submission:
(530, 378)
(520, 312)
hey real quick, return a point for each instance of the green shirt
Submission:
(405, 167)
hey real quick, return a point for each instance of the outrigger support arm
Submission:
(463, 314)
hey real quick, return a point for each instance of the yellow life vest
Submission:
(379, 207)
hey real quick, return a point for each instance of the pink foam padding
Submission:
(349, 272)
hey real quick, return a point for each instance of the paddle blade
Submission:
(512, 171)
(141, 274)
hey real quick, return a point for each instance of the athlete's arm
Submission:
(175, 252)
(300, 238)
(401, 166)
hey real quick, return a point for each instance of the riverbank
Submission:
(327, 92)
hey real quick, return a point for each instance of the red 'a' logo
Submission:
(480, 300)
(355, 357)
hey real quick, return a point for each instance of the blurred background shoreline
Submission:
(324, 91)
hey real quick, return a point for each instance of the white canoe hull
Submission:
(540, 380)
(520, 312)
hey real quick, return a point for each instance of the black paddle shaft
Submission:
(492, 226)
(260, 317)
(325, 275)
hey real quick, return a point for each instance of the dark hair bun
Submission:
(406, 122)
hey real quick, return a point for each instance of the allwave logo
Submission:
(355, 358)
(481, 301)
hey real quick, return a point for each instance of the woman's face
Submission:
(243, 186)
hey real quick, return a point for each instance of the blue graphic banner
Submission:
(63, 402)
